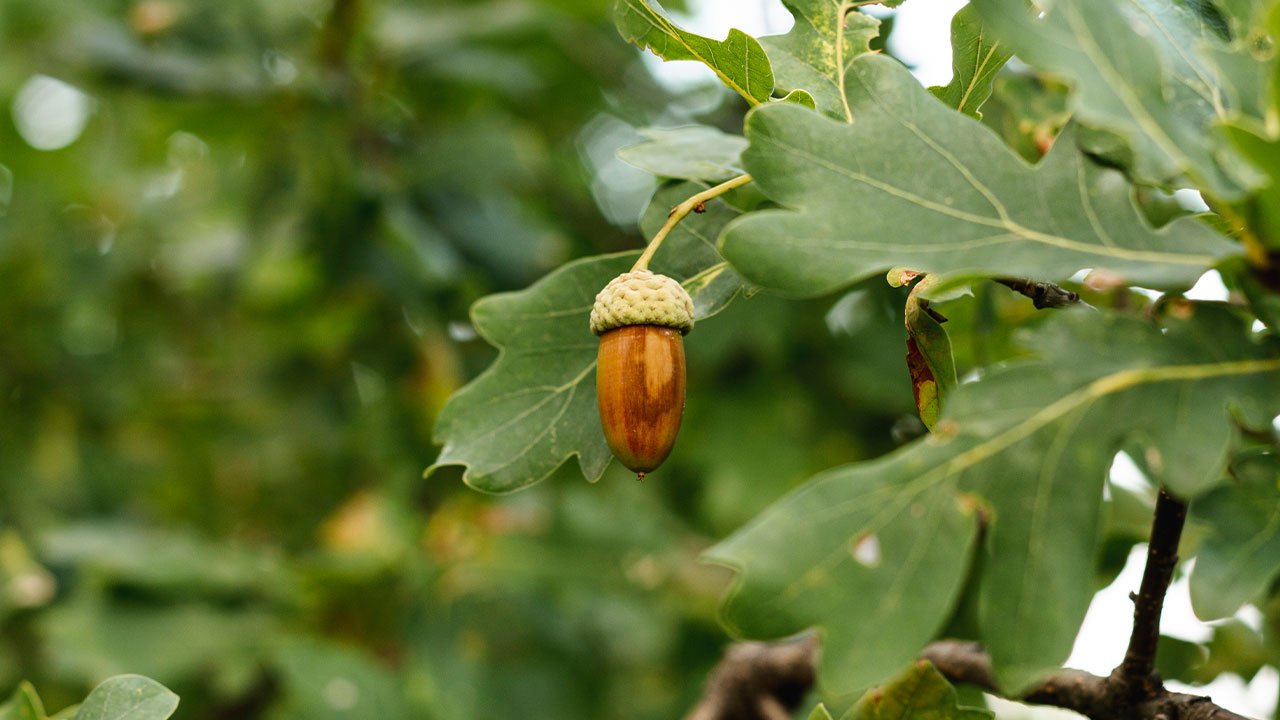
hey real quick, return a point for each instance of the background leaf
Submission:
(738, 60)
(1240, 556)
(24, 704)
(1261, 149)
(976, 58)
(1138, 71)
(914, 184)
(696, 152)
(1035, 441)
(128, 696)
(805, 57)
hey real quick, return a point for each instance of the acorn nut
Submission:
(641, 318)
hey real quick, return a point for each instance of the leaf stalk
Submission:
(697, 203)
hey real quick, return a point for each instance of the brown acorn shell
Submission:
(640, 387)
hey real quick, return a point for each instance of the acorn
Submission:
(641, 318)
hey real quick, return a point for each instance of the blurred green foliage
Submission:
(233, 302)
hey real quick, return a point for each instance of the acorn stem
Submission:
(679, 212)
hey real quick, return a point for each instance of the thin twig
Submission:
(758, 681)
(679, 212)
(1042, 294)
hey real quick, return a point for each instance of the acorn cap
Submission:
(641, 297)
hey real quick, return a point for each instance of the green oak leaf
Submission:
(861, 551)
(875, 553)
(1140, 70)
(1240, 556)
(696, 152)
(1243, 16)
(913, 184)
(128, 696)
(738, 60)
(1027, 112)
(1262, 150)
(918, 693)
(535, 406)
(976, 57)
(24, 704)
(806, 57)
(799, 97)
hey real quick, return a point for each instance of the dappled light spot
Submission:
(341, 694)
(49, 113)
(866, 550)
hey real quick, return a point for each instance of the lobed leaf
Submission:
(696, 152)
(128, 696)
(1031, 442)
(1240, 555)
(807, 57)
(1141, 70)
(861, 552)
(1262, 150)
(738, 60)
(976, 57)
(914, 184)
(535, 407)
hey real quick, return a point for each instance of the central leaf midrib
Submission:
(1102, 387)
(1010, 225)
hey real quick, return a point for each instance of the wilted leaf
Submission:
(914, 184)
(1240, 556)
(806, 58)
(976, 57)
(918, 693)
(535, 407)
(1139, 71)
(800, 97)
(929, 359)
(696, 152)
(128, 696)
(1035, 440)
(738, 60)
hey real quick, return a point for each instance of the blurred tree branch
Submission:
(758, 681)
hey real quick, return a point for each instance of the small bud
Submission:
(641, 318)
